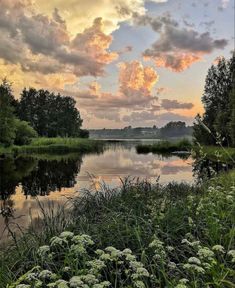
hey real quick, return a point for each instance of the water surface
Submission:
(26, 180)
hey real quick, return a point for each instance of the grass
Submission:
(178, 235)
(55, 145)
(165, 147)
(216, 153)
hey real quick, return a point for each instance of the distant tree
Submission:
(84, 133)
(217, 104)
(49, 114)
(7, 116)
(174, 129)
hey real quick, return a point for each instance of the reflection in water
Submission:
(22, 179)
(12, 171)
(50, 176)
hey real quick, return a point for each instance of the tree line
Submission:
(37, 113)
(217, 124)
(171, 129)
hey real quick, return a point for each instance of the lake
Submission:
(26, 180)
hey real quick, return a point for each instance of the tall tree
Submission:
(232, 123)
(7, 116)
(49, 114)
(217, 104)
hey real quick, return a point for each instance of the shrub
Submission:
(84, 133)
(24, 133)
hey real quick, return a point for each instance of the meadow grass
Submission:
(177, 235)
(55, 145)
(165, 146)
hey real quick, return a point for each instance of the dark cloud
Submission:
(160, 119)
(178, 48)
(156, 23)
(168, 104)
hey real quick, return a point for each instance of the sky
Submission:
(125, 62)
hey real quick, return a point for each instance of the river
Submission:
(26, 180)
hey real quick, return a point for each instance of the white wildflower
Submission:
(172, 265)
(218, 248)
(99, 252)
(78, 249)
(46, 274)
(232, 254)
(105, 257)
(57, 241)
(89, 279)
(127, 251)
(183, 281)
(194, 267)
(130, 257)
(194, 260)
(83, 239)
(32, 276)
(181, 286)
(43, 251)
(142, 272)
(66, 235)
(205, 253)
(59, 284)
(76, 282)
(170, 248)
(102, 284)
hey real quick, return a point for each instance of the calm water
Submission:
(24, 181)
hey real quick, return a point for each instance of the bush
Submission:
(84, 133)
(24, 133)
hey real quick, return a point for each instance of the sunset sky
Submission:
(126, 62)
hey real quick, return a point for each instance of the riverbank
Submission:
(165, 147)
(146, 235)
(55, 145)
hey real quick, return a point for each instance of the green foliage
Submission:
(7, 116)
(24, 133)
(143, 235)
(218, 105)
(84, 133)
(165, 147)
(232, 121)
(49, 114)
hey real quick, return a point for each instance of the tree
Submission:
(172, 129)
(49, 114)
(217, 104)
(232, 122)
(7, 116)
(24, 133)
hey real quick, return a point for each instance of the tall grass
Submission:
(56, 145)
(216, 153)
(182, 235)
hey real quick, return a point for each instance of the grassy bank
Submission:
(55, 145)
(140, 235)
(165, 147)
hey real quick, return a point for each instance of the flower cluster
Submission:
(83, 269)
